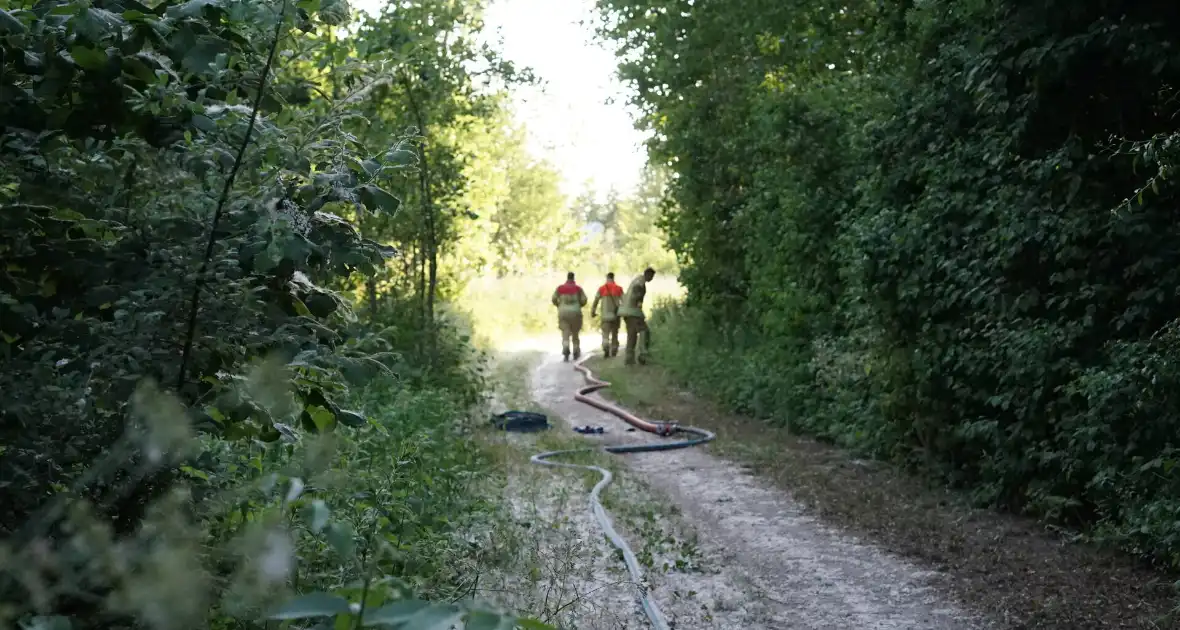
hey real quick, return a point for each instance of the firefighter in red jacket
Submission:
(610, 295)
(569, 298)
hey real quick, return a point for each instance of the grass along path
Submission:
(1024, 576)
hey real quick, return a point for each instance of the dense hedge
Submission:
(940, 232)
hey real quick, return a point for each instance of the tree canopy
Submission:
(630, 237)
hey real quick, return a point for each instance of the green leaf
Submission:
(354, 371)
(9, 25)
(297, 249)
(416, 614)
(321, 416)
(270, 103)
(400, 157)
(97, 24)
(395, 613)
(483, 620)
(48, 623)
(376, 198)
(354, 164)
(321, 304)
(192, 7)
(204, 123)
(199, 57)
(351, 419)
(533, 624)
(269, 434)
(333, 12)
(286, 431)
(89, 58)
(193, 472)
(310, 606)
(300, 307)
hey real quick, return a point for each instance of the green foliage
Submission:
(905, 227)
(528, 235)
(630, 239)
(197, 427)
(523, 223)
(99, 284)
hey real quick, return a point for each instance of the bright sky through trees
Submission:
(588, 138)
(568, 118)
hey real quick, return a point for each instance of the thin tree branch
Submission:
(191, 333)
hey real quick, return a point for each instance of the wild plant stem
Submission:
(191, 333)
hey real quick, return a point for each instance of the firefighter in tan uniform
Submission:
(569, 298)
(632, 312)
(610, 295)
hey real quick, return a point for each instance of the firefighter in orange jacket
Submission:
(569, 298)
(631, 311)
(610, 296)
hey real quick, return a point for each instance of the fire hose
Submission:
(665, 429)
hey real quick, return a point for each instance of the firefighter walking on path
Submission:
(609, 295)
(569, 298)
(632, 312)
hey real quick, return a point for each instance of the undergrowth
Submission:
(391, 511)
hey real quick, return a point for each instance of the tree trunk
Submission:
(430, 240)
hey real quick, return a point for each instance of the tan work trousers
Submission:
(636, 339)
(610, 337)
(570, 325)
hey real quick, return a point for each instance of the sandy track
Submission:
(767, 564)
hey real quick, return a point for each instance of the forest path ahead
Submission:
(777, 566)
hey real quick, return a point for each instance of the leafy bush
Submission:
(387, 512)
(201, 419)
(936, 232)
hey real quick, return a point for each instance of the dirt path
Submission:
(765, 563)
